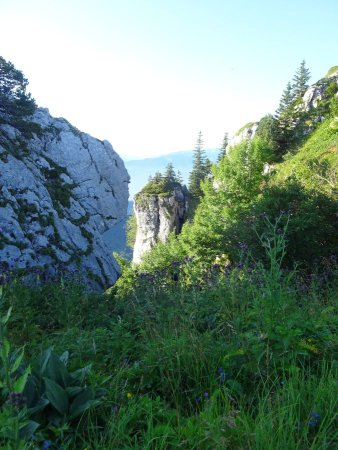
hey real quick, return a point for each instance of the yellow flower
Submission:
(308, 345)
(129, 395)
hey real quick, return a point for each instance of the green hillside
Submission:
(315, 164)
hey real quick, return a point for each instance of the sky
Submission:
(148, 75)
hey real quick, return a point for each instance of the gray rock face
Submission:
(246, 132)
(60, 189)
(316, 93)
(157, 216)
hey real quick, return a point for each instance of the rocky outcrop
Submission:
(318, 91)
(314, 99)
(60, 189)
(246, 132)
(157, 216)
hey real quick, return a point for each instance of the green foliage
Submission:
(224, 337)
(300, 80)
(200, 169)
(266, 130)
(54, 395)
(213, 363)
(15, 103)
(14, 423)
(223, 149)
(131, 230)
(286, 101)
(311, 218)
(291, 127)
(315, 163)
(161, 184)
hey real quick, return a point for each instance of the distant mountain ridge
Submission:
(140, 169)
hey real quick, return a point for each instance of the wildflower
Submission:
(114, 409)
(221, 375)
(313, 422)
(206, 395)
(243, 246)
(314, 419)
(129, 395)
(16, 399)
(46, 445)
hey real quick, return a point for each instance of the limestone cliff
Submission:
(157, 215)
(317, 93)
(60, 189)
(248, 131)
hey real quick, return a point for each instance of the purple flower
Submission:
(114, 409)
(314, 419)
(243, 246)
(16, 399)
(221, 375)
(46, 445)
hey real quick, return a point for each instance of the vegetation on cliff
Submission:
(224, 337)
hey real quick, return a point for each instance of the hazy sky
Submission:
(149, 74)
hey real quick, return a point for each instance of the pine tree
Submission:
(200, 169)
(169, 174)
(300, 80)
(179, 178)
(223, 150)
(14, 100)
(157, 178)
(286, 100)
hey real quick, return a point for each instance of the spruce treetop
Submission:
(300, 80)
(200, 169)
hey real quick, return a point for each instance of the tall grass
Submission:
(245, 361)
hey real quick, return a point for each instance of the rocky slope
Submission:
(157, 216)
(314, 101)
(60, 189)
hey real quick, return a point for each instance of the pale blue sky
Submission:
(148, 75)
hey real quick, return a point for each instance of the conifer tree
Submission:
(157, 178)
(286, 100)
(179, 178)
(14, 100)
(169, 174)
(223, 149)
(200, 169)
(300, 80)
